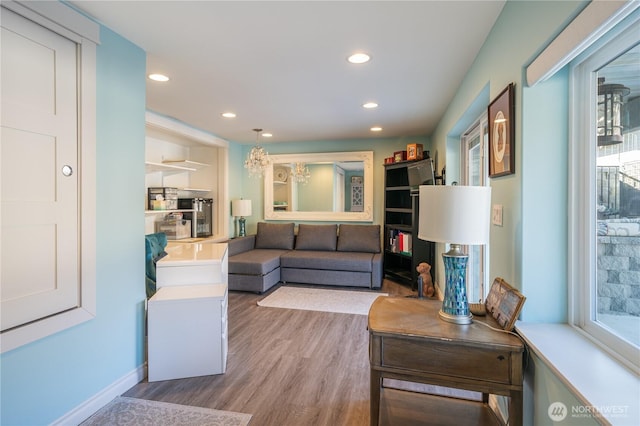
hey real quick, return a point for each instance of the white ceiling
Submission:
(281, 65)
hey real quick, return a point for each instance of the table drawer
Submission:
(448, 359)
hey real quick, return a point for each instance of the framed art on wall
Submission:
(502, 133)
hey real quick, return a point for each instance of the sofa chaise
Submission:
(348, 255)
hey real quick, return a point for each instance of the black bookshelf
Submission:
(401, 212)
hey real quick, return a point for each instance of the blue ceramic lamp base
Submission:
(243, 230)
(455, 306)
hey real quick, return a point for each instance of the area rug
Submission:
(142, 412)
(321, 299)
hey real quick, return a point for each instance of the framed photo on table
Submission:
(502, 133)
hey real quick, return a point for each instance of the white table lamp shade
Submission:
(455, 214)
(458, 215)
(241, 208)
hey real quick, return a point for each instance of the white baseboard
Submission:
(102, 398)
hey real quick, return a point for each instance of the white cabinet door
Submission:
(39, 213)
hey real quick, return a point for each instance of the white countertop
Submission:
(207, 240)
(193, 254)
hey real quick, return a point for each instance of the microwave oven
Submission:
(200, 212)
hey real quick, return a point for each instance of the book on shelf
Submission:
(405, 243)
(399, 241)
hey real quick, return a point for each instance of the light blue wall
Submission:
(253, 188)
(44, 380)
(549, 389)
(529, 250)
(544, 231)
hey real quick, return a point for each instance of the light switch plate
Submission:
(496, 216)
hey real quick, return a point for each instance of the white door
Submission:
(39, 251)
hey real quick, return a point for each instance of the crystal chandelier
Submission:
(300, 173)
(258, 159)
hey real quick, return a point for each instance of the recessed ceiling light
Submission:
(267, 135)
(358, 58)
(370, 105)
(228, 115)
(376, 129)
(158, 77)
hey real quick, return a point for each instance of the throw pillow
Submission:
(274, 236)
(363, 238)
(317, 237)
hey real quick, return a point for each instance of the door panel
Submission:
(39, 204)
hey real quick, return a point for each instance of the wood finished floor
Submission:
(285, 367)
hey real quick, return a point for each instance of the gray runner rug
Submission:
(142, 412)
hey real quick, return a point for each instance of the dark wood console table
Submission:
(408, 341)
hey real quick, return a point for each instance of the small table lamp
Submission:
(241, 208)
(457, 215)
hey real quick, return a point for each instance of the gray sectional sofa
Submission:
(348, 255)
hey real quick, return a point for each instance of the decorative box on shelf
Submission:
(414, 151)
(400, 156)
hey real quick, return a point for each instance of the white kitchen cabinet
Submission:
(187, 316)
(188, 331)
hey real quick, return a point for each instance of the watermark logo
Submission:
(557, 411)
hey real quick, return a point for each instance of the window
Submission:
(474, 172)
(605, 194)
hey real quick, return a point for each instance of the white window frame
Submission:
(582, 193)
(478, 129)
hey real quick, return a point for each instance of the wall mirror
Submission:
(330, 186)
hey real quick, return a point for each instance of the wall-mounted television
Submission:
(421, 173)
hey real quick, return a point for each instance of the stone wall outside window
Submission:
(619, 275)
